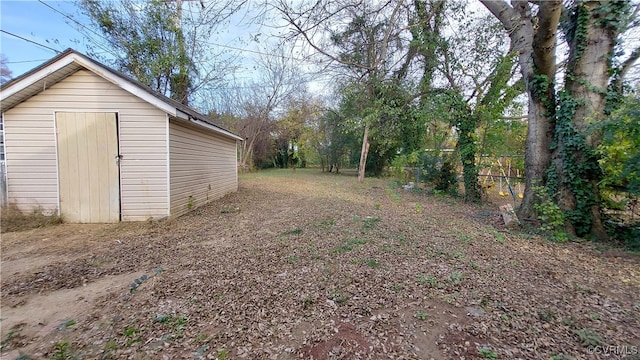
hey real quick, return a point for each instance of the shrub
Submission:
(13, 219)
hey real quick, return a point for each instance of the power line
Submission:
(31, 41)
(25, 61)
(254, 51)
(83, 26)
(206, 42)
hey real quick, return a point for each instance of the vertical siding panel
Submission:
(93, 176)
(83, 162)
(102, 138)
(202, 165)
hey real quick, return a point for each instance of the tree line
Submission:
(553, 80)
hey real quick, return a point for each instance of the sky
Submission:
(37, 22)
(32, 30)
(45, 26)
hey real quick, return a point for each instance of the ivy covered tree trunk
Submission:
(592, 34)
(467, 148)
(536, 57)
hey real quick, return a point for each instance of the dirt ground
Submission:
(310, 265)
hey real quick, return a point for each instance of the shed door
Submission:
(88, 169)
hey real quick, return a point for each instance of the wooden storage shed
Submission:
(86, 141)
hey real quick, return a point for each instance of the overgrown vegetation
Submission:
(12, 219)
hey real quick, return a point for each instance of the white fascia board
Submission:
(125, 85)
(216, 129)
(182, 115)
(37, 76)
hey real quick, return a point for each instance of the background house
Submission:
(86, 141)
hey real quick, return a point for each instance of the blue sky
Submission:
(35, 21)
(51, 23)
(47, 22)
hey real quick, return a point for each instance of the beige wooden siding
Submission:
(32, 178)
(202, 165)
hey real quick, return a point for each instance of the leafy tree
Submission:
(474, 72)
(5, 72)
(356, 35)
(620, 148)
(160, 45)
(561, 146)
(295, 132)
(339, 142)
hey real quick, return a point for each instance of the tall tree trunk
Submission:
(541, 89)
(576, 163)
(467, 148)
(364, 153)
(536, 57)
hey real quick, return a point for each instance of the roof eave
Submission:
(70, 56)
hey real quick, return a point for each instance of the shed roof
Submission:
(70, 61)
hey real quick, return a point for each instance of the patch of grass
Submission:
(569, 321)
(455, 278)
(421, 315)
(485, 301)
(348, 246)
(487, 353)
(293, 259)
(66, 324)
(426, 280)
(388, 249)
(13, 219)
(223, 354)
(132, 335)
(546, 315)
(314, 252)
(589, 338)
(296, 231)
(326, 224)
(395, 197)
(174, 322)
(62, 351)
(371, 262)
(397, 287)
(111, 345)
(465, 238)
(419, 208)
(369, 223)
(11, 335)
(308, 302)
(498, 236)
